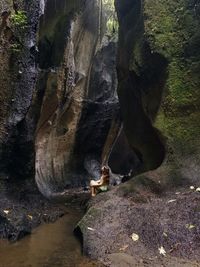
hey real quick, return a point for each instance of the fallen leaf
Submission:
(162, 251)
(124, 248)
(135, 237)
(172, 200)
(190, 226)
(6, 211)
(165, 234)
(30, 217)
(91, 229)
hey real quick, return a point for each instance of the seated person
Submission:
(102, 183)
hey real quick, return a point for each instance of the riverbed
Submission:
(49, 245)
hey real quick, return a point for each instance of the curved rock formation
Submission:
(158, 62)
(141, 79)
(78, 79)
(73, 111)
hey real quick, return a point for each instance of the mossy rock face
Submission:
(172, 28)
(160, 52)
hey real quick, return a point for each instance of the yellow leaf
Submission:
(162, 251)
(30, 217)
(135, 237)
(91, 229)
(172, 200)
(190, 226)
(165, 234)
(6, 211)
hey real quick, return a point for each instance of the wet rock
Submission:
(22, 227)
(23, 208)
(5, 227)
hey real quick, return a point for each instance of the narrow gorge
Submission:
(92, 83)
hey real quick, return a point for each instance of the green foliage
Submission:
(111, 16)
(19, 19)
(19, 25)
(112, 26)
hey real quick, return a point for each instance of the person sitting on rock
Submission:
(102, 183)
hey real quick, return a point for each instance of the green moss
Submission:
(182, 132)
(173, 30)
(169, 26)
(181, 88)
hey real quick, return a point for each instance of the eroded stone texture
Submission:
(78, 79)
(158, 87)
(141, 76)
(158, 84)
(17, 79)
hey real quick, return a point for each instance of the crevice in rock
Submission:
(141, 74)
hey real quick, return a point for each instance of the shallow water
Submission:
(50, 245)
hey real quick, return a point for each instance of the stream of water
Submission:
(50, 245)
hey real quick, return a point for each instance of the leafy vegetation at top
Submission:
(112, 21)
